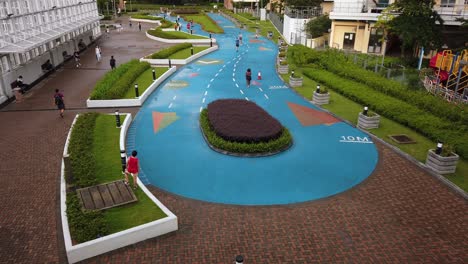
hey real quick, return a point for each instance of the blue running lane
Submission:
(325, 159)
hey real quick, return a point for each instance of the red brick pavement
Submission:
(400, 214)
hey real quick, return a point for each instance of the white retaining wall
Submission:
(146, 21)
(131, 102)
(124, 238)
(179, 61)
(193, 41)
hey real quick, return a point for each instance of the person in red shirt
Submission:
(132, 168)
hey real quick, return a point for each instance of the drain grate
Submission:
(402, 139)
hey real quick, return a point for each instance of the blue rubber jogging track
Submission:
(324, 159)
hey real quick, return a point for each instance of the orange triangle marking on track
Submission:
(157, 118)
(310, 117)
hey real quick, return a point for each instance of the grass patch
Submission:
(206, 23)
(108, 168)
(173, 34)
(252, 24)
(144, 81)
(349, 110)
(185, 53)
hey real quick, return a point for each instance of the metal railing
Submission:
(276, 21)
(360, 6)
(303, 12)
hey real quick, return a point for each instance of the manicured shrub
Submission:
(165, 53)
(146, 16)
(115, 83)
(281, 143)
(242, 121)
(402, 112)
(169, 34)
(186, 11)
(80, 150)
(84, 225)
(337, 63)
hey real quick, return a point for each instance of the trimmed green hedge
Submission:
(145, 16)
(81, 151)
(115, 83)
(84, 225)
(337, 63)
(402, 112)
(166, 24)
(264, 147)
(168, 34)
(165, 53)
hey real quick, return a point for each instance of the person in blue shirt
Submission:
(237, 45)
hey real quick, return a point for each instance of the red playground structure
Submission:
(449, 76)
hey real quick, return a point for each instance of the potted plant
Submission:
(442, 159)
(321, 96)
(283, 67)
(368, 120)
(295, 80)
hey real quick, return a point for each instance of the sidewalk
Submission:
(32, 137)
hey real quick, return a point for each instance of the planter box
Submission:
(368, 122)
(82, 251)
(295, 82)
(180, 61)
(320, 99)
(176, 41)
(283, 69)
(441, 165)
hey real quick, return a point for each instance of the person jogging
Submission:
(58, 101)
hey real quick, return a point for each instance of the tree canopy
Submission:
(318, 26)
(416, 23)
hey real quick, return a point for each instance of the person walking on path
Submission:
(112, 62)
(130, 24)
(76, 55)
(248, 77)
(132, 168)
(18, 94)
(98, 53)
(58, 101)
(237, 45)
(139, 26)
(240, 38)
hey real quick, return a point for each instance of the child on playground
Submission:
(132, 168)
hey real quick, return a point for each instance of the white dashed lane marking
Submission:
(170, 105)
(266, 96)
(241, 91)
(237, 85)
(203, 101)
(173, 98)
(206, 92)
(246, 98)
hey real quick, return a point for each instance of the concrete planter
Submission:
(283, 69)
(295, 82)
(440, 164)
(180, 61)
(320, 99)
(368, 122)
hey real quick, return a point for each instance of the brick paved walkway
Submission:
(399, 214)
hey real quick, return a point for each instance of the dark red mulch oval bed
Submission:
(240, 120)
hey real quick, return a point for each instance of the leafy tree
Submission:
(318, 26)
(416, 24)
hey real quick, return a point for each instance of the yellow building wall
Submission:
(339, 28)
(327, 7)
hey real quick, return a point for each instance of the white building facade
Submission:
(38, 35)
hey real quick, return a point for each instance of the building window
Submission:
(375, 40)
(448, 3)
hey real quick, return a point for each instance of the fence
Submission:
(277, 21)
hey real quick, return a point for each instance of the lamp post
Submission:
(318, 88)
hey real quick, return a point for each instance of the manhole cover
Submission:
(402, 139)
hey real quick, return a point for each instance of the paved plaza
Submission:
(399, 214)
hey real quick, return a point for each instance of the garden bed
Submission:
(146, 86)
(241, 128)
(206, 22)
(91, 147)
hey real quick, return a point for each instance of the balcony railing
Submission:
(303, 12)
(451, 12)
(359, 6)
